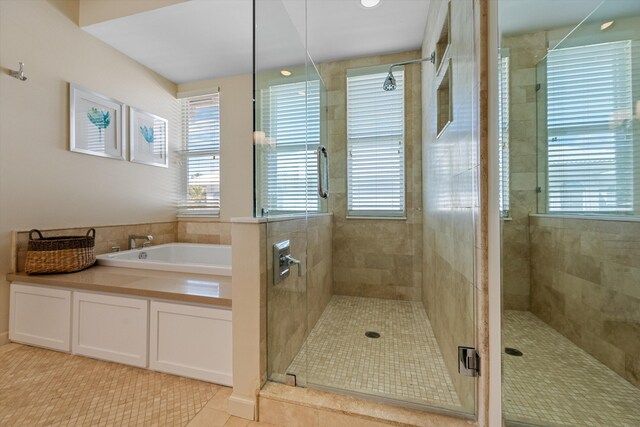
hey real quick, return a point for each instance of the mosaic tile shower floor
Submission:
(405, 363)
(555, 383)
(41, 387)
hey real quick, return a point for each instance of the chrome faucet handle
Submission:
(291, 260)
(134, 237)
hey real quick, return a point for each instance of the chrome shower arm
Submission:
(431, 59)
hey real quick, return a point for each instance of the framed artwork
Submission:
(96, 124)
(147, 138)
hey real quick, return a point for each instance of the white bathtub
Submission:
(179, 257)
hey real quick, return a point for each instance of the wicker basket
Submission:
(60, 254)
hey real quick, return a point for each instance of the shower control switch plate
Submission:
(468, 361)
(281, 268)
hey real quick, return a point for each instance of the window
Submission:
(375, 145)
(503, 137)
(590, 135)
(201, 155)
(291, 123)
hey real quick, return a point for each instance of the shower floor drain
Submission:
(513, 351)
(371, 334)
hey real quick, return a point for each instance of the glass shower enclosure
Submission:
(345, 295)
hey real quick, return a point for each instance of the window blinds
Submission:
(590, 135)
(375, 151)
(290, 117)
(201, 155)
(503, 137)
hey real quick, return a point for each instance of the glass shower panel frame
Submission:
(280, 127)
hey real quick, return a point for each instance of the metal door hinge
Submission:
(291, 380)
(538, 86)
(468, 361)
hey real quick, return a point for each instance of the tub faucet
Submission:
(134, 237)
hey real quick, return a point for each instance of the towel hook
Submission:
(20, 73)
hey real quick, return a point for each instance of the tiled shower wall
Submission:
(524, 52)
(451, 172)
(293, 307)
(378, 258)
(585, 283)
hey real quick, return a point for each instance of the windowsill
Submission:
(199, 218)
(277, 218)
(591, 217)
(394, 218)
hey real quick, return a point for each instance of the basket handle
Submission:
(35, 231)
(90, 233)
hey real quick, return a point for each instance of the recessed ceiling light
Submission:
(606, 25)
(369, 3)
(285, 73)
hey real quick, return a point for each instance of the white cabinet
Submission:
(182, 339)
(110, 327)
(191, 341)
(40, 316)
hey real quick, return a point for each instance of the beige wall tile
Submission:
(451, 168)
(586, 290)
(363, 250)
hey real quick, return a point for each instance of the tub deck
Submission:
(173, 286)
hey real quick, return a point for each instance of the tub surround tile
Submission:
(187, 287)
(106, 237)
(203, 231)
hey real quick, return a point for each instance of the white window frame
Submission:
(590, 158)
(210, 207)
(290, 119)
(376, 182)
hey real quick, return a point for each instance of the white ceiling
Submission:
(523, 16)
(204, 39)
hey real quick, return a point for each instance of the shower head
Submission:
(390, 82)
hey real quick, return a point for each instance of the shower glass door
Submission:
(285, 176)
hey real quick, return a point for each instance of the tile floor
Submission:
(47, 388)
(555, 383)
(405, 363)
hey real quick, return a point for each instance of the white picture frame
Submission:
(148, 138)
(97, 124)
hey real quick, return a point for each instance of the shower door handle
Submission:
(322, 152)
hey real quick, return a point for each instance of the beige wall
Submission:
(451, 192)
(236, 141)
(44, 185)
(295, 305)
(525, 51)
(371, 257)
(95, 11)
(585, 283)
